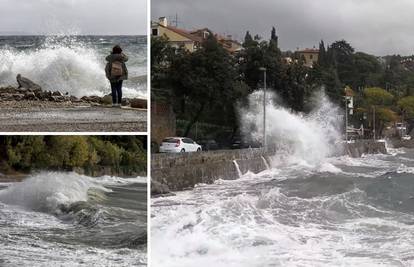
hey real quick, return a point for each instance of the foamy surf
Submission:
(309, 209)
(51, 216)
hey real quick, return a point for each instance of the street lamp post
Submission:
(264, 108)
(346, 119)
(373, 122)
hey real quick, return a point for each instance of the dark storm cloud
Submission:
(73, 16)
(374, 26)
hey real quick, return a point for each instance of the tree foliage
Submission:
(26, 153)
(207, 85)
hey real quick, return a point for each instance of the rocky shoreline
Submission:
(11, 96)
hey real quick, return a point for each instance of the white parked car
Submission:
(179, 144)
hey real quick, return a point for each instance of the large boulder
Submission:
(107, 100)
(158, 188)
(26, 83)
(139, 103)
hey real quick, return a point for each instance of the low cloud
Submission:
(379, 27)
(120, 17)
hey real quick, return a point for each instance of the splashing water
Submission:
(68, 64)
(50, 216)
(47, 191)
(309, 138)
(239, 172)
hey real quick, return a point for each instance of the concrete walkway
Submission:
(72, 119)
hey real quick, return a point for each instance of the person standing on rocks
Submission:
(116, 72)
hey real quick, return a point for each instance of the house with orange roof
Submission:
(227, 42)
(176, 36)
(190, 40)
(310, 56)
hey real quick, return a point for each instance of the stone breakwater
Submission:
(11, 93)
(175, 172)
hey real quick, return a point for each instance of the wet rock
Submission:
(58, 98)
(139, 103)
(74, 99)
(30, 96)
(27, 83)
(7, 90)
(125, 102)
(158, 188)
(107, 100)
(6, 96)
(43, 95)
(18, 97)
(56, 93)
(92, 99)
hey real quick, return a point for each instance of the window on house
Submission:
(311, 56)
(206, 34)
(154, 32)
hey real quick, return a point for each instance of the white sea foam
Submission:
(405, 169)
(113, 180)
(328, 167)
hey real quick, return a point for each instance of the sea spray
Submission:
(70, 64)
(76, 70)
(265, 162)
(304, 137)
(236, 165)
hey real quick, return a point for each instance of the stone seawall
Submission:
(360, 147)
(184, 170)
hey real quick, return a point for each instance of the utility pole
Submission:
(175, 20)
(264, 108)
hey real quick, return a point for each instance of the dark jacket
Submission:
(116, 57)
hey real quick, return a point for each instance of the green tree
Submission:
(203, 78)
(406, 104)
(378, 97)
(68, 151)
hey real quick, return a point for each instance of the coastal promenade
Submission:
(72, 119)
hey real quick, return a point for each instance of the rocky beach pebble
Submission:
(32, 95)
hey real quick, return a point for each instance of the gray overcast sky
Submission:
(379, 27)
(112, 17)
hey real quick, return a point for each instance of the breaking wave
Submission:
(305, 137)
(50, 191)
